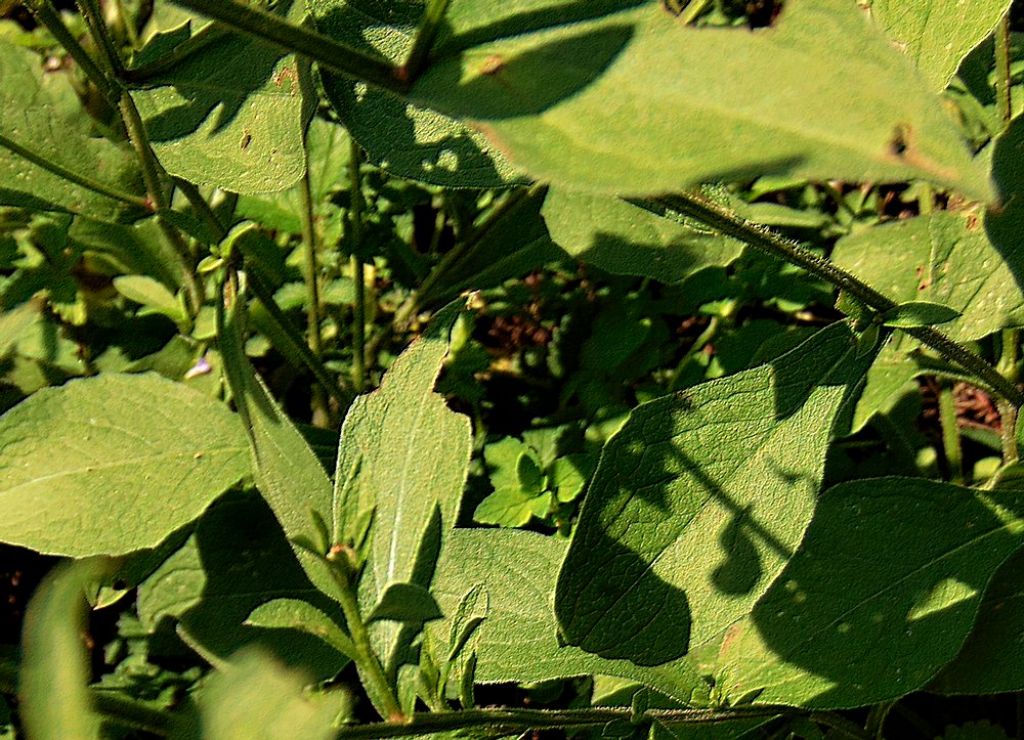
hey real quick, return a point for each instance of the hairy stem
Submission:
(93, 16)
(951, 435)
(322, 49)
(718, 218)
(1003, 82)
(425, 36)
(358, 269)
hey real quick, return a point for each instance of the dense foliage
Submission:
(461, 368)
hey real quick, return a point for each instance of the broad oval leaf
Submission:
(938, 34)
(699, 501)
(881, 595)
(625, 239)
(636, 103)
(231, 116)
(39, 117)
(944, 258)
(140, 456)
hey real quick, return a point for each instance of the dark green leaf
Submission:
(406, 603)
(916, 314)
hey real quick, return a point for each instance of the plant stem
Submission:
(1003, 81)
(371, 673)
(48, 17)
(74, 177)
(759, 237)
(425, 36)
(355, 213)
(950, 435)
(322, 49)
(516, 721)
(199, 204)
(312, 278)
(93, 16)
(118, 709)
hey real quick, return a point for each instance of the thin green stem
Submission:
(322, 49)
(371, 672)
(128, 22)
(45, 13)
(515, 721)
(114, 707)
(311, 272)
(1004, 98)
(425, 36)
(356, 211)
(202, 207)
(759, 237)
(951, 435)
(289, 335)
(709, 333)
(93, 16)
(74, 177)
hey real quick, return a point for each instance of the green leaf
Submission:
(152, 294)
(117, 485)
(232, 116)
(257, 697)
(698, 502)
(301, 615)
(287, 471)
(513, 573)
(570, 474)
(563, 103)
(989, 661)
(53, 685)
(881, 595)
(625, 239)
(512, 507)
(944, 258)
(235, 560)
(938, 34)
(40, 114)
(916, 314)
(406, 603)
(404, 139)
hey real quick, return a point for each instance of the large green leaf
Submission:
(121, 481)
(989, 662)
(944, 258)
(40, 113)
(55, 701)
(255, 697)
(1005, 224)
(236, 560)
(625, 239)
(881, 595)
(514, 573)
(636, 103)
(938, 34)
(231, 116)
(405, 139)
(699, 501)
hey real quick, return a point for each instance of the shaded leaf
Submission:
(117, 485)
(406, 603)
(543, 98)
(625, 239)
(881, 595)
(916, 314)
(698, 502)
(301, 615)
(40, 113)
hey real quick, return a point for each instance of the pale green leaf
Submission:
(231, 116)
(989, 662)
(40, 113)
(301, 615)
(236, 559)
(890, 377)
(514, 574)
(625, 239)
(119, 483)
(637, 103)
(512, 507)
(881, 595)
(698, 502)
(938, 34)
(944, 258)
(152, 294)
(405, 139)
(55, 702)
(255, 697)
